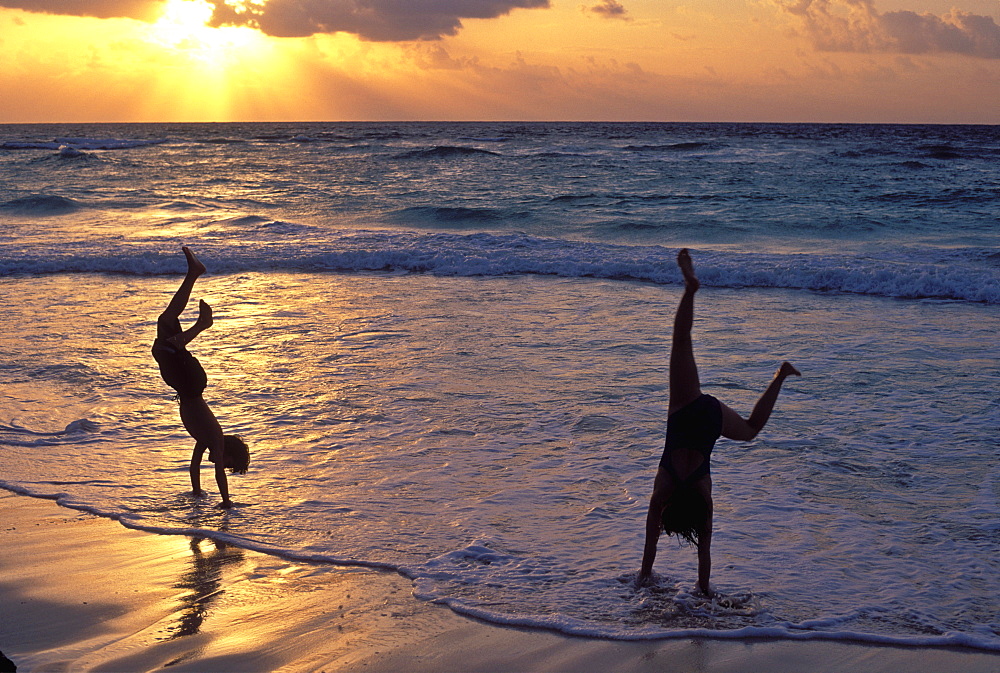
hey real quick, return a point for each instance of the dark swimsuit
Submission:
(694, 426)
(179, 369)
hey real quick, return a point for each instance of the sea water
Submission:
(447, 346)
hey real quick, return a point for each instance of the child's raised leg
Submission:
(685, 387)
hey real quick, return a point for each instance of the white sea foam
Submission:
(946, 277)
(81, 144)
(70, 152)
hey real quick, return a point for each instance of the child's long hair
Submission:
(685, 514)
(237, 454)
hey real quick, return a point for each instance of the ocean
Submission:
(447, 344)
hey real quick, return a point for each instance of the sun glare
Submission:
(182, 21)
(184, 27)
(206, 69)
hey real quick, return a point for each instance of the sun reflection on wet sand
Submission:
(202, 583)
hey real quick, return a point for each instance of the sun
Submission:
(183, 21)
(207, 69)
(183, 35)
(184, 26)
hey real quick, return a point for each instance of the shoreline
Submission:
(138, 601)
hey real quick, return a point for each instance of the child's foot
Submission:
(195, 267)
(205, 319)
(787, 369)
(687, 269)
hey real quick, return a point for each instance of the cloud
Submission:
(144, 10)
(958, 32)
(857, 26)
(374, 20)
(608, 9)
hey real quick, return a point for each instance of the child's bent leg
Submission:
(205, 320)
(733, 425)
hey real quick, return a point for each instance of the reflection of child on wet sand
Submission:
(184, 373)
(681, 503)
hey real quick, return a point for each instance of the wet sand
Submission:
(82, 593)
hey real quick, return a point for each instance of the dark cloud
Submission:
(144, 10)
(609, 9)
(957, 32)
(375, 20)
(857, 26)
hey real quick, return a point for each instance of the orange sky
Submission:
(705, 60)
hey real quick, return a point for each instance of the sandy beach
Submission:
(82, 593)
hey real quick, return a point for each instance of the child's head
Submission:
(237, 454)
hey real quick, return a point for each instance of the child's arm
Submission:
(195, 469)
(220, 478)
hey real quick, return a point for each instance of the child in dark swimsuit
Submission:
(182, 372)
(681, 502)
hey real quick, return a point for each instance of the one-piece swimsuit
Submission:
(695, 426)
(179, 369)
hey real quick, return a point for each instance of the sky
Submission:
(904, 61)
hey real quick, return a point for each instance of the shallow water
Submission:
(495, 439)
